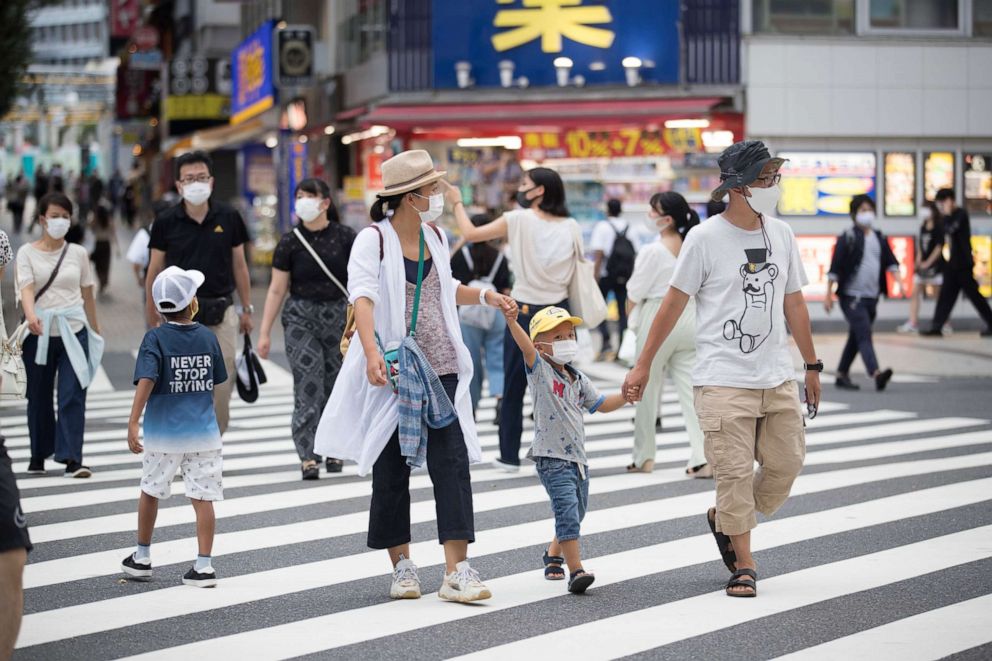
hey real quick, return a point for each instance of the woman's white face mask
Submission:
(308, 208)
(57, 227)
(435, 207)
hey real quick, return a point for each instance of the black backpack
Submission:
(620, 265)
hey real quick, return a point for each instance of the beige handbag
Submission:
(13, 376)
(585, 300)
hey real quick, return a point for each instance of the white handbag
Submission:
(585, 300)
(13, 376)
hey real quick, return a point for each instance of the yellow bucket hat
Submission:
(550, 318)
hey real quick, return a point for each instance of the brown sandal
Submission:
(702, 471)
(646, 467)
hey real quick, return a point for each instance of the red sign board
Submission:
(125, 16)
(136, 92)
(145, 37)
(579, 143)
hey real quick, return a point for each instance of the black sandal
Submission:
(552, 572)
(723, 542)
(333, 465)
(737, 581)
(580, 581)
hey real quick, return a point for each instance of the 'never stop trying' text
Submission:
(191, 373)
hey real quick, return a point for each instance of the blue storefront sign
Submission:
(292, 169)
(254, 89)
(595, 35)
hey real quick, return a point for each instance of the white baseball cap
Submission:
(174, 289)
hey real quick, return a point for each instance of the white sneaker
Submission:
(505, 467)
(406, 583)
(907, 328)
(463, 585)
(947, 330)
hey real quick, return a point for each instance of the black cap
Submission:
(741, 163)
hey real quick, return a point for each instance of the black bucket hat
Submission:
(740, 164)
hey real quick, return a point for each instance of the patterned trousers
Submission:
(313, 334)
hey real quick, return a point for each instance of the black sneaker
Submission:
(200, 579)
(845, 383)
(333, 465)
(36, 466)
(138, 570)
(311, 470)
(933, 332)
(882, 379)
(76, 469)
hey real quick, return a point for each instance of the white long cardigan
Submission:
(360, 418)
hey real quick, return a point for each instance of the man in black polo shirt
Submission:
(208, 236)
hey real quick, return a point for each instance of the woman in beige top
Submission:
(542, 238)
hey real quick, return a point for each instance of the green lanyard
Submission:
(420, 280)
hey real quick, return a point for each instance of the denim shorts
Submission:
(569, 493)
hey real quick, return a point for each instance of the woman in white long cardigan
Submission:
(360, 421)
(647, 287)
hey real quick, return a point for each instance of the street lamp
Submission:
(463, 74)
(563, 68)
(632, 68)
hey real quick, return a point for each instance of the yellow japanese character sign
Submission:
(551, 21)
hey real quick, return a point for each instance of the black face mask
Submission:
(522, 198)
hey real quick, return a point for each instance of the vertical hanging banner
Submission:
(125, 16)
(254, 89)
(292, 170)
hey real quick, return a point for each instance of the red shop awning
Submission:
(511, 116)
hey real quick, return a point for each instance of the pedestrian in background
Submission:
(614, 253)
(929, 263)
(647, 287)
(862, 256)
(546, 245)
(17, 195)
(483, 265)
(409, 337)
(207, 236)
(105, 237)
(746, 395)
(64, 348)
(314, 316)
(959, 272)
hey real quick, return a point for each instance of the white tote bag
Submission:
(13, 376)
(585, 300)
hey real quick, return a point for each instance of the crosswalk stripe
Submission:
(337, 630)
(159, 604)
(627, 634)
(613, 461)
(962, 626)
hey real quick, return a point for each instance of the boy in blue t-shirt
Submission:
(179, 363)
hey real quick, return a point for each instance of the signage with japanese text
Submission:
(981, 250)
(938, 172)
(528, 36)
(978, 184)
(823, 183)
(125, 16)
(292, 170)
(252, 76)
(900, 184)
(610, 144)
(817, 250)
(199, 88)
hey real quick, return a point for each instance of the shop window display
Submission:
(914, 14)
(978, 184)
(938, 172)
(900, 184)
(803, 16)
(981, 11)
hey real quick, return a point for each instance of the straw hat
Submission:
(408, 171)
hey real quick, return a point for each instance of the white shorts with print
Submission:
(201, 474)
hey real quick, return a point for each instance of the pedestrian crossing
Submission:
(891, 504)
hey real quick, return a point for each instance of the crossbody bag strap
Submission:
(320, 262)
(420, 281)
(492, 273)
(55, 273)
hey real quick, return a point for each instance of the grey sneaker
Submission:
(463, 585)
(406, 583)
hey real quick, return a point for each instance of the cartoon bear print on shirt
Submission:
(755, 323)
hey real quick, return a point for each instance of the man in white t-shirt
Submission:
(743, 269)
(613, 246)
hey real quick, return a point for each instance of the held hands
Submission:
(506, 305)
(132, 438)
(633, 385)
(375, 368)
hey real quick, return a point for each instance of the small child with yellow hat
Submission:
(560, 393)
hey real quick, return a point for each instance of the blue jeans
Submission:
(491, 340)
(63, 437)
(569, 494)
(511, 425)
(860, 315)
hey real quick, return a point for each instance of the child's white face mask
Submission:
(563, 351)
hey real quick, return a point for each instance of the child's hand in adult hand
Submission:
(132, 438)
(510, 311)
(505, 303)
(376, 369)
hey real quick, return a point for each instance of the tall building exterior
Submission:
(885, 97)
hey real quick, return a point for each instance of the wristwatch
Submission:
(250, 309)
(814, 367)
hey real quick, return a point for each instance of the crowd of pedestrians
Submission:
(711, 304)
